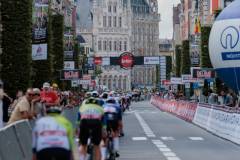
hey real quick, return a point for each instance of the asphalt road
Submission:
(154, 135)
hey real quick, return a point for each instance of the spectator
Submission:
(22, 109)
(229, 100)
(49, 97)
(5, 102)
(38, 109)
(19, 95)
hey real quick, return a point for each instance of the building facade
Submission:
(144, 39)
(106, 27)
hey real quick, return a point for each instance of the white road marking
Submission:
(169, 154)
(139, 138)
(173, 158)
(165, 150)
(168, 138)
(145, 126)
(196, 138)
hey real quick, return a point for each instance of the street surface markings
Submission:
(196, 138)
(139, 138)
(145, 126)
(165, 150)
(168, 138)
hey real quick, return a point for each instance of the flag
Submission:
(197, 28)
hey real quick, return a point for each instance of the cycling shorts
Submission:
(90, 129)
(54, 153)
(112, 125)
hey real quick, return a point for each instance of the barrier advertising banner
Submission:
(39, 29)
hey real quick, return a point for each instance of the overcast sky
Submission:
(165, 9)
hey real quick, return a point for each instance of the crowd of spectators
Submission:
(32, 104)
(224, 98)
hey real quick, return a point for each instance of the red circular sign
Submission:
(98, 60)
(126, 60)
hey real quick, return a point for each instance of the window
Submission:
(104, 45)
(115, 9)
(120, 21)
(110, 45)
(99, 45)
(109, 8)
(120, 46)
(114, 21)
(125, 45)
(104, 21)
(109, 21)
(115, 45)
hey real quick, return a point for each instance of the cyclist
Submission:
(53, 137)
(113, 118)
(91, 117)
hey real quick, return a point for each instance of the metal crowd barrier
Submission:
(16, 139)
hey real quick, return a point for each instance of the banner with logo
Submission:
(151, 60)
(176, 80)
(68, 44)
(69, 65)
(39, 29)
(203, 73)
(195, 54)
(39, 52)
(70, 74)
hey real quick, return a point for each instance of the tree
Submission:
(43, 69)
(58, 46)
(205, 59)
(168, 66)
(16, 44)
(178, 60)
(185, 58)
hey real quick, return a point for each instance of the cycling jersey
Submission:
(112, 111)
(53, 131)
(91, 111)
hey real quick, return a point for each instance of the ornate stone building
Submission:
(144, 39)
(105, 26)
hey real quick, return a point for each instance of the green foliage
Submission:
(178, 60)
(185, 58)
(57, 46)
(76, 54)
(16, 43)
(205, 59)
(168, 67)
(43, 69)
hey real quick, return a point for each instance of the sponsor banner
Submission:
(86, 77)
(184, 110)
(195, 55)
(40, 21)
(219, 120)
(69, 65)
(98, 60)
(70, 74)
(39, 52)
(126, 60)
(68, 44)
(151, 60)
(74, 83)
(85, 82)
(203, 73)
(176, 80)
(91, 61)
(166, 82)
(105, 61)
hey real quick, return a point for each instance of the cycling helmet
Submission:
(111, 100)
(95, 94)
(88, 94)
(54, 110)
(105, 95)
(91, 101)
